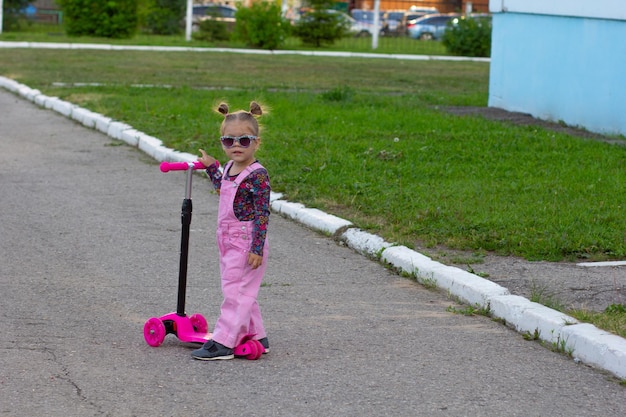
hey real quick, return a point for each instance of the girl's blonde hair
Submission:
(249, 117)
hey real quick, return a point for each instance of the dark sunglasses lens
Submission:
(244, 141)
(228, 141)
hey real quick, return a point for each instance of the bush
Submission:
(164, 17)
(212, 30)
(108, 19)
(469, 37)
(261, 25)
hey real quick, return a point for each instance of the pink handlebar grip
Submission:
(180, 166)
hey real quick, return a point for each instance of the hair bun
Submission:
(255, 109)
(223, 108)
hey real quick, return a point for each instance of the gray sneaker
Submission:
(212, 351)
(266, 344)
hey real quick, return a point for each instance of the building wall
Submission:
(443, 6)
(45, 4)
(475, 6)
(559, 64)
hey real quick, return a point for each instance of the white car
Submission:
(365, 20)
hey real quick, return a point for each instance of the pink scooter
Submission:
(190, 329)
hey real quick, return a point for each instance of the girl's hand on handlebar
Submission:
(206, 160)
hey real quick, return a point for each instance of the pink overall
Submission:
(240, 315)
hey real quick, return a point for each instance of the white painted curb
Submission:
(116, 129)
(101, 123)
(313, 218)
(596, 347)
(52, 45)
(9, 84)
(584, 341)
(530, 318)
(365, 243)
(28, 93)
(84, 117)
(467, 287)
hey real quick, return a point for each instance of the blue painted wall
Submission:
(559, 68)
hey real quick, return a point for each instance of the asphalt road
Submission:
(89, 250)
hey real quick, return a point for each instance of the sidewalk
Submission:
(348, 336)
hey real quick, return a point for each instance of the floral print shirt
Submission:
(252, 202)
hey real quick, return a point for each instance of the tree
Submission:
(321, 26)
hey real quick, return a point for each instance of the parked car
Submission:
(431, 26)
(366, 20)
(217, 12)
(394, 23)
(415, 13)
(356, 28)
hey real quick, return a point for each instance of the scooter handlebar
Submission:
(180, 166)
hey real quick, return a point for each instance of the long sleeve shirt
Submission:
(252, 202)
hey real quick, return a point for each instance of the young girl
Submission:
(244, 209)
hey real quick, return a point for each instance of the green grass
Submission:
(368, 140)
(613, 319)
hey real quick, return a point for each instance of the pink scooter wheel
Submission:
(154, 332)
(250, 349)
(199, 323)
(259, 349)
(253, 350)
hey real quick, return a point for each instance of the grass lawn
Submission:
(368, 139)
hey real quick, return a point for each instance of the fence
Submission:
(392, 34)
(399, 30)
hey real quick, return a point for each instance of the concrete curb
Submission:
(107, 47)
(584, 342)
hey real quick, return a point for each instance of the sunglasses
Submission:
(243, 141)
